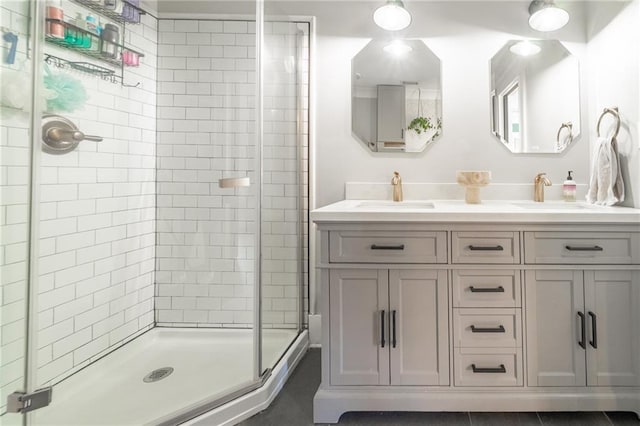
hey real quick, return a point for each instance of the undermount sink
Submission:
(395, 205)
(551, 206)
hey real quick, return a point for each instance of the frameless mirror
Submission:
(535, 100)
(396, 96)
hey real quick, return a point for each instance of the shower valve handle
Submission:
(57, 134)
(60, 135)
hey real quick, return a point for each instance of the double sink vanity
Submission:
(499, 306)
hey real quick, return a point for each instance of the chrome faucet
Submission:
(539, 182)
(396, 181)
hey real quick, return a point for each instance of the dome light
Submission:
(525, 48)
(397, 48)
(392, 16)
(545, 16)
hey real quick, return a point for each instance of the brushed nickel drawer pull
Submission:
(498, 329)
(588, 248)
(486, 248)
(500, 369)
(377, 247)
(498, 289)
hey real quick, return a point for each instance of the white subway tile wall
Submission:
(15, 160)
(97, 216)
(206, 131)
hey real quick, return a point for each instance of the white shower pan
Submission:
(206, 363)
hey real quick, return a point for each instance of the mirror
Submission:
(535, 100)
(396, 96)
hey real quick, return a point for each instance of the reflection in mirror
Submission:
(535, 100)
(396, 97)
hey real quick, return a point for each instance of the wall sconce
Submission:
(392, 16)
(544, 15)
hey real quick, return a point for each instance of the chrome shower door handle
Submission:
(234, 182)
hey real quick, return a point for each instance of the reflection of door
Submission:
(391, 113)
(512, 117)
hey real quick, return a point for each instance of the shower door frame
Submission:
(36, 44)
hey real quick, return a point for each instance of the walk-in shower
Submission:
(158, 269)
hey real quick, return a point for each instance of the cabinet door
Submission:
(358, 300)
(391, 113)
(554, 309)
(612, 301)
(420, 350)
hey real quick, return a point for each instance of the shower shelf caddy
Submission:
(95, 39)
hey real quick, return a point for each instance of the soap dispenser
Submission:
(569, 188)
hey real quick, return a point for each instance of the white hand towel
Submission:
(606, 186)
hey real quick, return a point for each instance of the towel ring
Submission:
(569, 126)
(613, 111)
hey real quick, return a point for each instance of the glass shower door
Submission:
(16, 114)
(284, 192)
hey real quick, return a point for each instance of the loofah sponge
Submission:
(70, 94)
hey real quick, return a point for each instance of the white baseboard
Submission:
(315, 330)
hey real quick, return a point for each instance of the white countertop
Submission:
(449, 211)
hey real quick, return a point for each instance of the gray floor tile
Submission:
(504, 419)
(294, 407)
(623, 418)
(587, 418)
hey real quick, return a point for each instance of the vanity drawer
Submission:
(486, 367)
(387, 247)
(582, 247)
(487, 328)
(485, 247)
(486, 289)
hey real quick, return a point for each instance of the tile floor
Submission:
(294, 407)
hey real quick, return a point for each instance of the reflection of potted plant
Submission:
(420, 124)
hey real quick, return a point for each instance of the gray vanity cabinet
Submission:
(478, 317)
(583, 321)
(583, 328)
(388, 327)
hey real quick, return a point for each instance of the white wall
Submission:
(97, 218)
(464, 35)
(206, 108)
(614, 65)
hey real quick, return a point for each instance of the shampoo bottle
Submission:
(569, 188)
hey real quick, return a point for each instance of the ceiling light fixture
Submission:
(544, 15)
(392, 16)
(525, 48)
(397, 48)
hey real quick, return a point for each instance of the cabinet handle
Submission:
(498, 289)
(583, 332)
(582, 248)
(498, 329)
(594, 330)
(393, 328)
(377, 247)
(486, 248)
(382, 328)
(500, 369)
